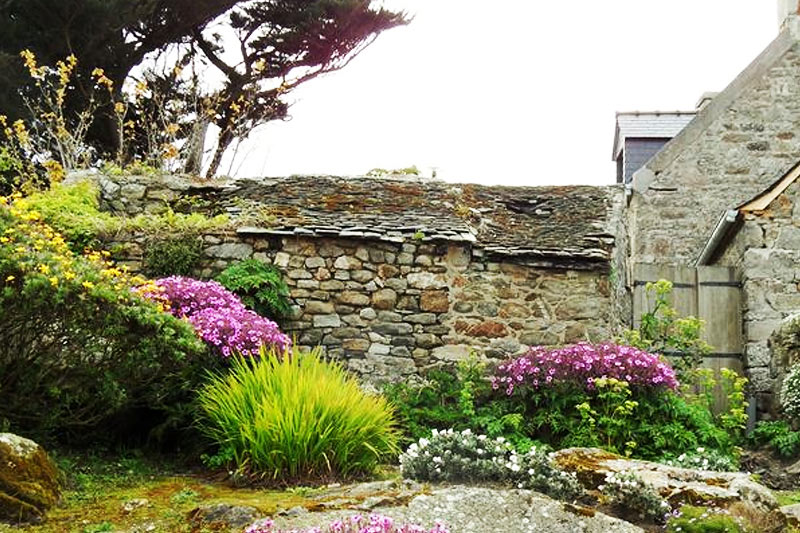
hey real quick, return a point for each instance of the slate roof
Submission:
(649, 125)
(549, 225)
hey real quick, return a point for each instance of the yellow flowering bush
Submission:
(78, 344)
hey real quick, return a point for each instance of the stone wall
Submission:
(766, 251)
(739, 145)
(393, 309)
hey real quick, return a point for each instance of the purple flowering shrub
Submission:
(581, 365)
(375, 523)
(218, 316)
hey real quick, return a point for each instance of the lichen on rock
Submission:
(29, 480)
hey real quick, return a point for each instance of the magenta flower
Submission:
(218, 316)
(581, 364)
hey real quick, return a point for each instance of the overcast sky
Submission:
(510, 91)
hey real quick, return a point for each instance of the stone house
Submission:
(723, 192)
(394, 275)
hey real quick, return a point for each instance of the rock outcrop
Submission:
(29, 481)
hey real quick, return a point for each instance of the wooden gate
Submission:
(710, 293)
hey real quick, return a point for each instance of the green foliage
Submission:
(778, 435)
(662, 331)
(704, 520)
(705, 459)
(261, 287)
(459, 399)
(607, 416)
(173, 256)
(293, 416)
(78, 345)
(73, 210)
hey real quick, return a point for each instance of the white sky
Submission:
(510, 91)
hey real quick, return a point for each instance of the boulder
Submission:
(676, 485)
(466, 509)
(223, 515)
(29, 480)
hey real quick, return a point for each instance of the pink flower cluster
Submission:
(581, 364)
(356, 524)
(218, 316)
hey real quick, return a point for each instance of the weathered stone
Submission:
(362, 276)
(332, 285)
(677, 485)
(421, 318)
(427, 340)
(425, 280)
(372, 286)
(376, 256)
(396, 284)
(330, 250)
(405, 259)
(434, 301)
(393, 328)
(308, 284)
(452, 352)
(343, 309)
(368, 314)
(311, 337)
(345, 333)
(230, 251)
(575, 332)
(379, 349)
(314, 307)
(389, 316)
(463, 307)
(539, 338)
(29, 480)
(488, 328)
(299, 274)
(327, 321)
(423, 260)
(354, 320)
(331, 340)
(342, 275)
(282, 259)
(314, 262)
(346, 262)
(356, 345)
(400, 351)
(223, 514)
(384, 299)
(513, 310)
(353, 298)
(408, 303)
(404, 341)
(388, 271)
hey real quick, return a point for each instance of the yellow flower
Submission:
(4, 240)
(119, 108)
(44, 269)
(88, 284)
(53, 281)
(10, 278)
(69, 275)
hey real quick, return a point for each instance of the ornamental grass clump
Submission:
(218, 316)
(581, 364)
(375, 523)
(466, 457)
(292, 416)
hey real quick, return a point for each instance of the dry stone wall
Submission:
(392, 309)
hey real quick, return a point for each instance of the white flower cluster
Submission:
(466, 457)
(790, 393)
(630, 491)
(704, 459)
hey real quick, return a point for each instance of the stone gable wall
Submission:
(745, 149)
(391, 310)
(766, 251)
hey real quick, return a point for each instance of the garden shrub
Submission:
(172, 256)
(464, 456)
(78, 345)
(261, 287)
(293, 416)
(631, 492)
(662, 331)
(777, 434)
(375, 523)
(459, 398)
(218, 315)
